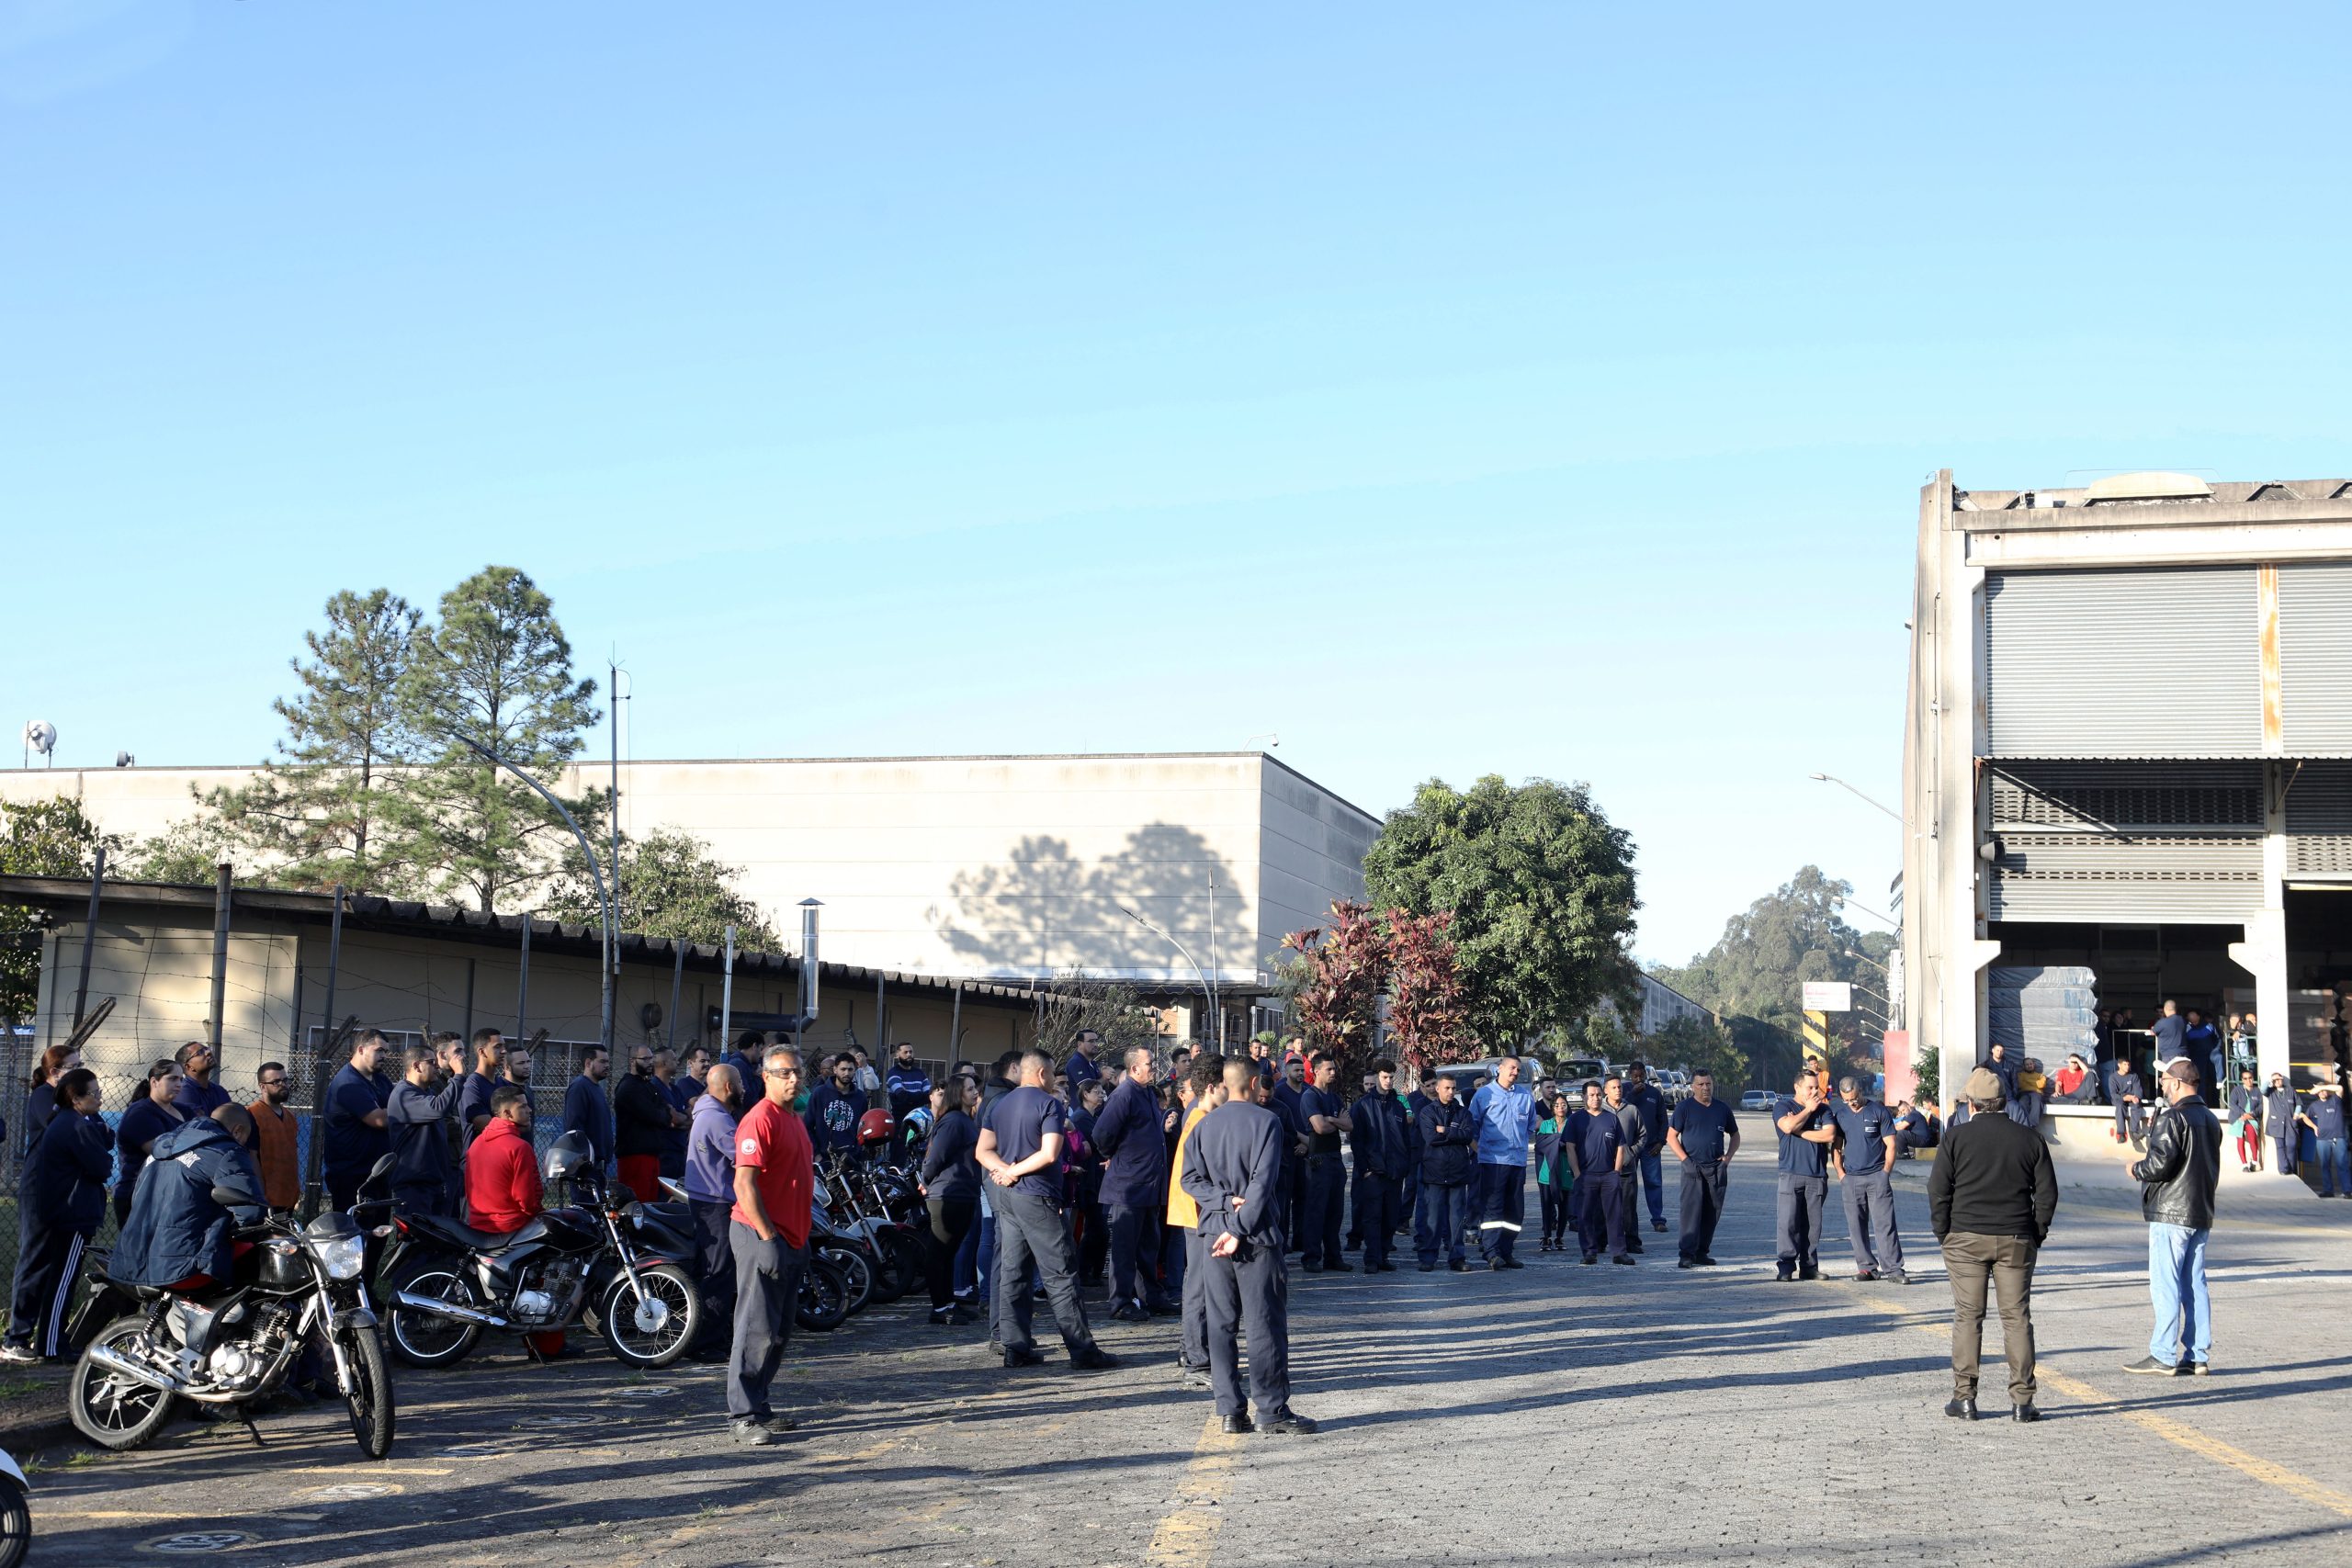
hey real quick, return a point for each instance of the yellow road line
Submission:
(2175, 1432)
(1186, 1536)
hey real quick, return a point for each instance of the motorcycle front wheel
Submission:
(15, 1523)
(111, 1410)
(857, 1276)
(651, 1322)
(370, 1398)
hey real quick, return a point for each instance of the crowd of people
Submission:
(1185, 1188)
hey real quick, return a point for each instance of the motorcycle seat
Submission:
(451, 1231)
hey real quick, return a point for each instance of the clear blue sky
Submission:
(1534, 390)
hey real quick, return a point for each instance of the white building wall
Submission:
(1015, 866)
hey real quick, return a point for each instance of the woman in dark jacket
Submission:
(1553, 1180)
(63, 1201)
(41, 1100)
(950, 1188)
(149, 1118)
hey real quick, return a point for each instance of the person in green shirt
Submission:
(1555, 1181)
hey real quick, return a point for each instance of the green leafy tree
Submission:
(189, 852)
(1701, 1044)
(671, 885)
(1112, 1009)
(1541, 888)
(51, 838)
(326, 810)
(1755, 974)
(495, 670)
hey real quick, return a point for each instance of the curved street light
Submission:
(603, 900)
(1858, 794)
(1208, 992)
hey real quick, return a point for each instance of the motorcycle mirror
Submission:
(383, 1167)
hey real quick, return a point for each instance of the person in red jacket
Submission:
(503, 1193)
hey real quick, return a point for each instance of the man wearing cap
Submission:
(1806, 1132)
(1990, 1198)
(1865, 1166)
(2176, 1179)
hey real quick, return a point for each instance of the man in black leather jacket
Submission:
(2177, 1177)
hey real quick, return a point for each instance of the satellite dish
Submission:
(40, 735)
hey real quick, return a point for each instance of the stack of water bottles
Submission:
(2043, 1013)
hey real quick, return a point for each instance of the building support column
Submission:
(2263, 953)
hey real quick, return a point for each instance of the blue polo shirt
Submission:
(1021, 1121)
(2326, 1111)
(1866, 1131)
(1598, 1136)
(1706, 1130)
(1799, 1158)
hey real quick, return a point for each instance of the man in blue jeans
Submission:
(2177, 1178)
(1644, 1096)
(2324, 1116)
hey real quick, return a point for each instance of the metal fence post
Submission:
(726, 994)
(89, 933)
(312, 1167)
(677, 987)
(220, 896)
(523, 987)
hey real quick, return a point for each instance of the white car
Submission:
(1757, 1099)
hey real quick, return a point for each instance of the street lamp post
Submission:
(604, 897)
(1858, 794)
(1207, 991)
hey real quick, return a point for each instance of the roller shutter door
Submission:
(2127, 662)
(2319, 820)
(2315, 659)
(2130, 842)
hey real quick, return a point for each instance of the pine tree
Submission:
(496, 670)
(326, 811)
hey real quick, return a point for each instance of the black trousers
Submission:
(713, 1264)
(950, 1219)
(1031, 1229)
(1250, 1292)
(49, 1260)
(1324, 1178)
(1134, 1253)
(1797, 1221)
(1556, 1210)
(1294, 1179)
(1379, 1204)
(1093, 1240)
(1703, 1204)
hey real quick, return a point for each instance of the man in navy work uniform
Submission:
(1082, 1068)
(1629, 1171)
(1133, 1152)
(1319, 1104)
(356, 1135)
(1504, 1114)
(1806, 1132)
(199, 1095)
(1440, 1213)
(1287, 1089)
(1382, 1148)
(1643, 1096)
(1021, 1148)
(1233, 1171)
(1702, 1136)
(1866, 1170)
(587, 1110)
(1596, 1150)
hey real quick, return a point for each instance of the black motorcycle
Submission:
(827, 1295)
(603, 1263)
(234, 1344)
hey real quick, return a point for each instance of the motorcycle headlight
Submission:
(342, 1256)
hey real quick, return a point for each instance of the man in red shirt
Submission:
(768, 1229)
(503, 1189)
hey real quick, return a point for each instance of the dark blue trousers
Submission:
(1134, 1253)
(1439, 1219)
(1600, 1214)
(1378, 1205)
(1502, 1205)
(1325, 1179)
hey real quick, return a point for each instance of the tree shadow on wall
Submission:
(1044, 911)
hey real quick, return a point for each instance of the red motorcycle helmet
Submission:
(874, 1128)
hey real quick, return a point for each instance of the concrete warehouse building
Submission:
(1001, 868)
(2127, 747)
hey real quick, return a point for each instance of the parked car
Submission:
(1757, 1099)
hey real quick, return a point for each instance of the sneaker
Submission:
(781, 1424)
(1496, 1265)
(1659, 1225)
(751, 1434)
(1510, 1263)
(1864, 1275)
(1340, 1266)
(1017, 1358)
(1897, 1278)
(1622, 1257)
(1590, 1258)
(1706, 1260)
(2148, 1366)
(1460, 1266)
(1810, 1272)
(1427, 1268)
(2200, 1368)
(18, 1356)
(1686, 1263)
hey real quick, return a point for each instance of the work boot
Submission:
(1092, 1358)
(1961, 1409)
(1018, 1357)
(1239, 1424)
(2025, 1412)
(1286, 1422)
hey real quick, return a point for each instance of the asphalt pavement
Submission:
(1633, 1415)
